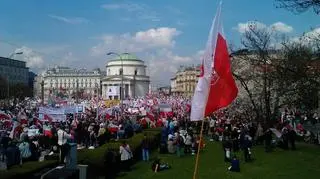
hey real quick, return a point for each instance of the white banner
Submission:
(45, 110)
(113, 91)
(33, 132)
(58, 117)
(80, 109)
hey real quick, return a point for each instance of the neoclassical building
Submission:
(134, 78)
(185, 80)
(68, 81)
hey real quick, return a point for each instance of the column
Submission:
(130, 92)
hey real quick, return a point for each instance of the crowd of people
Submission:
(25, 136)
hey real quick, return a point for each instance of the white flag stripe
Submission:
(200, 98)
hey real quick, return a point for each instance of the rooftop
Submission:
(68, 70)
(126, 57)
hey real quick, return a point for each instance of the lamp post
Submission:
(42, 92)
(97, 86)
(14, 53)
(134, 83)
(77, 91)
(121, 88)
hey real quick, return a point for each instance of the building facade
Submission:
(69, 81)
(14, 71)
(185, 81)
(164, 90)
(125, 72)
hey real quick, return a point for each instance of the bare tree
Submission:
(298, 6)
(276, 75)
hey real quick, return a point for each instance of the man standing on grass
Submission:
(145, 148)
(63, 137)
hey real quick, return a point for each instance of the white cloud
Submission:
(153, 38)
(163, 64)
(131, 7)
(154, 46)
(244, 27)
(33, 59)
(314, 34)
(174, 10)
(281, 27)
(181, 23)
(278, 27)
(138, 11)
(309, 37)
(69, 20)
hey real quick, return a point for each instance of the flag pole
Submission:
(198, 152)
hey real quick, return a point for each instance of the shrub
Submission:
(28, 169)
(96, 158)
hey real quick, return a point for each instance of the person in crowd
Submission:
(24, 134)
(285, 138)
(188, 144)
(179, 143)
(158, 166)
(13, 154)
(227, 145)
(125, 155)
(292, 138)
(212, 123)
(235, 140)
(34, 149)
(64, 147)
(145, 148)
(171, 148)
(259, 135)
(247, 145)
(111, 164)
(25, 151)
(268, 140)
(235, 165)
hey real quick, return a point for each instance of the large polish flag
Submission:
(216, 87)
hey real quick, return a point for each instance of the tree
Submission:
(298, 6)
(3, 88)
(273, 76)
(20, 90)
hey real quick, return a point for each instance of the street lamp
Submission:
(121, 88)
(98, 101)
(14, 53)
(42, 92)
(77, 91)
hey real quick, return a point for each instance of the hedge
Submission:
(95, 159)
(28, 169)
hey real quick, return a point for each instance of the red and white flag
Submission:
(216, 87)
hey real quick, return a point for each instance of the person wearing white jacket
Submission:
(125, 155)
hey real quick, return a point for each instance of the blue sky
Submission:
(165, 33)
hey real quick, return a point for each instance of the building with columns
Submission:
(134, 78)
(68, 81)
(185, 81)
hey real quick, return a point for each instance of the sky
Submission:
(165, 34)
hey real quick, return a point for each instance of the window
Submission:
(135, 72)
(120, 71)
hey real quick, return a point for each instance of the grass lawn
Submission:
(301, 164)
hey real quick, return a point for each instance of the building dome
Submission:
(125, 71)
(126, 57)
